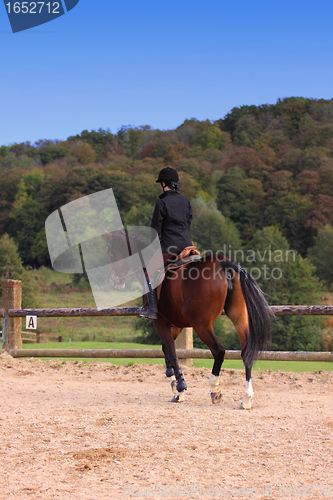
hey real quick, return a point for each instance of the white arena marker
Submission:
(31, 322)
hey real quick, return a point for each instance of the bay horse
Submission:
(194, 296)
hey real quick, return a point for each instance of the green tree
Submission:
(211, 230)
(22, 162)
(39, 250)
(242, 200)
(229, 122)
(298, 160)
(213, 138)
(20, 198)
(11, 268)
(48, 151)
(288, 210)
(189, 129)
(286, 278)
(28, 221)
(24, 148)
(314, 133)
(232, 193)
(321, 254)
(160, 147)
(132, 139)
(139, 215)
(190, 166)
(4, 150)
(325, 173)
(33, 181)
(293, 109)
(247, 132)
(101, 140)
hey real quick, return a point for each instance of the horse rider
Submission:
(172, 220)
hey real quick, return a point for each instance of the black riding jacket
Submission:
(172, 220)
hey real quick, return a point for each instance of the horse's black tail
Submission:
(259, 313)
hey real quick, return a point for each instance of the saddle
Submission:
(188, 255)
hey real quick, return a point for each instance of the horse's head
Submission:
(117, 252)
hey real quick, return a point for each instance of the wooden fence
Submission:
(38, 336)
(12, 312)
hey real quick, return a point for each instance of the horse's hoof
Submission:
(245, 405)
(178, 397)
(216, 397)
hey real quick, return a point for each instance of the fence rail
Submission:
(39, 335)
(158, 353)
(67, 312)
(134, 311)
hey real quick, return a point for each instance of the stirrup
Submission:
(150, 313)
(143, 310)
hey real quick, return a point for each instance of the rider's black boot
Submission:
(151, 312)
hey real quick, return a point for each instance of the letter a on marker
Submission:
(31, 322)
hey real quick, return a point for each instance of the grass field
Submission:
(292, 366)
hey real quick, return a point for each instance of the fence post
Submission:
(11, 299)
(185, 341)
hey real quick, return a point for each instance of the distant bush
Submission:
(11, 268)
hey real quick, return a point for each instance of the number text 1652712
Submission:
(32, 7)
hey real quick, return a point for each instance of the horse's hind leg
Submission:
(206, 334)
(235, 308)
(243, 332)
(242, 328)
(248, 393)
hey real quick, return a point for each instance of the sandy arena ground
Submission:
(99, 431)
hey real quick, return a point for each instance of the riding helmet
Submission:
(168, 174)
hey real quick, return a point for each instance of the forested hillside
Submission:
(259, 178)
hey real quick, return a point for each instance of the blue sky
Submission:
(108, 64)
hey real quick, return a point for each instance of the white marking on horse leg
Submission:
(215, 392)
(173, 383)
(214, 383)
(248, 393)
